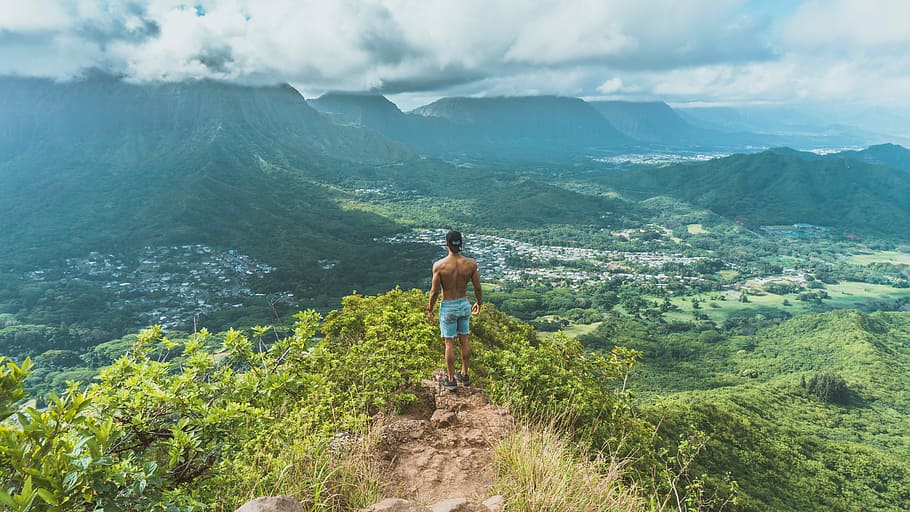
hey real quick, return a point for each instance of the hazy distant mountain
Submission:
(103, 109)
(428, 136)
(652, 121)
(787, 187)
(371, 110)
(525, 128)
(109, 166)
(657, 123)
(549, 120)
(890, 155)
(782, 125)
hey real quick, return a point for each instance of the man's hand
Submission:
(475, 308)
(430, 315)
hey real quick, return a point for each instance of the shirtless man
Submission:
(451, 274)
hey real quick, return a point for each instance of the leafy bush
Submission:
(828, 387)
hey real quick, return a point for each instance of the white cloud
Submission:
(698, 50)
(611, 86)
(33, 16)
(850, 27)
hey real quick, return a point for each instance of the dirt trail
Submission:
(442, 445)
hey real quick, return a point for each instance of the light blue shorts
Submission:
(454, 317)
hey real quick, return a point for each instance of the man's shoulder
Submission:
(441, 261)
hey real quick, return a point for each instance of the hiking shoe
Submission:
(449, 385)
(464, 379)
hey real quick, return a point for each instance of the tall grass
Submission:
(324, 476)
(540, 469)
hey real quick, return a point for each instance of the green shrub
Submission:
(828, 387)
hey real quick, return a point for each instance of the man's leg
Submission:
(450, 357)
(465, 353)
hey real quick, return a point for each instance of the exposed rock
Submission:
(442, 419)
(396, 505)
(272, 504)
(457, 505)
(494, 503)
(344, 441)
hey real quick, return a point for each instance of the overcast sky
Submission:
(680, 51)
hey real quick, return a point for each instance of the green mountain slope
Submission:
(786, 447)
(891, 155)
(785, 187)
(102, 165)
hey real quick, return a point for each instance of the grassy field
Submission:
(897, 258)
(729, 275)
(696, 229)
(844, 295)
(854, 294)
(719, 310)
(580, 329)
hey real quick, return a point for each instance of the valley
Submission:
(739, 276)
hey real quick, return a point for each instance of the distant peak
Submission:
(351, 94)
(887, 146)
(345, 100)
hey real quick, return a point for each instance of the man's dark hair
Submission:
(454, 241)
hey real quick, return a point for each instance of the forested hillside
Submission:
(785, 187)
(810, 415)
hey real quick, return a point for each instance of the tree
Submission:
(828, 387)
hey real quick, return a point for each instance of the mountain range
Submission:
(540, 128)
(523, 128)
(784, 186)
(101, 164)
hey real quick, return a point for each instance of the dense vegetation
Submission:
(809, 414)
(206, 422)
(788, 187)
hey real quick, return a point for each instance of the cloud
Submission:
(850, 27)
(704, 50)
(611, 86)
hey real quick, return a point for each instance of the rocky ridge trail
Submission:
(441, 447)
(437, 455)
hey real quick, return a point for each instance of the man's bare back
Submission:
(453, 273)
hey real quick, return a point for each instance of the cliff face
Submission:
(102, 111)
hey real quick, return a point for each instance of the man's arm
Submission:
(434, 293)
(478, 292)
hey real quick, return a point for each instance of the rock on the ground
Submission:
(457, 505)
(442, 419)
(272, 504)
(396, 505)
(494, 503)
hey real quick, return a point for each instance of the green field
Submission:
(844, 295)
(576, 330)
(849, 294)
(893, 257)
(696, 229)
